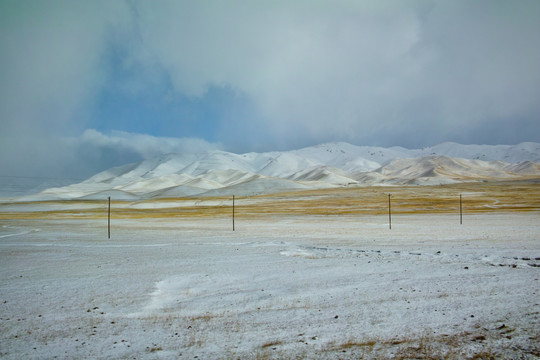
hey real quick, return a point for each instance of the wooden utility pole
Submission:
(460, 210)
(389, 212)
(109, 219)
(233, 213)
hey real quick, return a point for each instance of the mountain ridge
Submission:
(326, 165)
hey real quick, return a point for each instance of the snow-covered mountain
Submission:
(321, 166)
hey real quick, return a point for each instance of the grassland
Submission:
(476, 198)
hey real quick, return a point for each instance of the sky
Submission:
(86, 85)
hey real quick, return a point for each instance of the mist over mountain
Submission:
(339, 164)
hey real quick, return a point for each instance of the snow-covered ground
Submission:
(277, 287)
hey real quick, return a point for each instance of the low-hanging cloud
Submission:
(94, 151)
(63, 160)
(142, 145)
(82, 156)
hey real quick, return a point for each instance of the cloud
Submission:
(354, 70)
(409, 73)
(50, 60)
(144, 146)
(49, 66)
(82, 156)
(94, 151)
(60, 161)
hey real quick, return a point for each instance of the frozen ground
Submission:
(278, 287)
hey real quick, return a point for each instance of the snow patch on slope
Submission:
(325, 165)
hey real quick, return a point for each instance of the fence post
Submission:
(389, 212)
(233, 213)
(109, 219)
(460, 210)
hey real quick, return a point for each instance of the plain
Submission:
(314, 274)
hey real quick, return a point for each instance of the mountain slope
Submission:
(507, 153)
(325, 165)
(438, 169)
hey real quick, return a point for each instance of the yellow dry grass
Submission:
(477, 197)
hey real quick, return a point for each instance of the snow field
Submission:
(277, 287)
